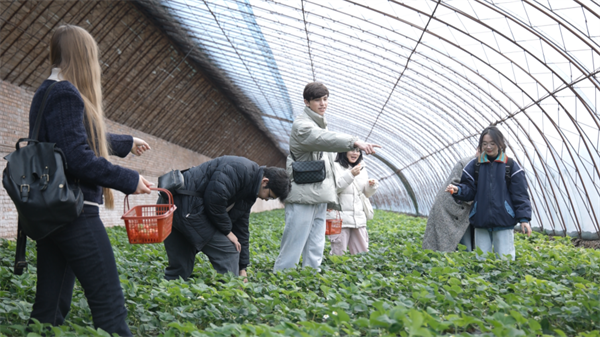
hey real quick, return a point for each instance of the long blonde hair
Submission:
(75, 52)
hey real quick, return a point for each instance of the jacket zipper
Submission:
(491, 176)
(354, 203)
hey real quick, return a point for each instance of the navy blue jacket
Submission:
(221, 182)
(63, 124)
(496, 204)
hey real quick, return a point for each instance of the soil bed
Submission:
(593, 244)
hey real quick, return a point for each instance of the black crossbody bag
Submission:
(35, 180)
(308, 172)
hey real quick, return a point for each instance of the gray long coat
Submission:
(448, 220)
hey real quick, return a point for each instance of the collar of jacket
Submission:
(56, 75)
(502, 158)
(320, 120)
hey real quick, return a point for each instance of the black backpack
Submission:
(507, 168)
(35, 180)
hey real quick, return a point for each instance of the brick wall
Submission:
(164, 156)
(151, 81)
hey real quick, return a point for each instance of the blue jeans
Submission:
(503, 242)
(80, 249)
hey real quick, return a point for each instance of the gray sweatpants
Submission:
(304, 234)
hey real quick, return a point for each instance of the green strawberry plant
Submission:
(397, 289)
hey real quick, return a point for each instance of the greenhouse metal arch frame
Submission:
(423, 78)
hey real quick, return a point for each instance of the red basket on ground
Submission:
(149, 223)
(333, 226)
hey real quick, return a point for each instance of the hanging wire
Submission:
(312, 67)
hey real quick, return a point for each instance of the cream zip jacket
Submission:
(349, 189)
(309, 137)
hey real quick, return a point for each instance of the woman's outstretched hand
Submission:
(139, 146)
(143, 186)
(451, 189)
(526, 228)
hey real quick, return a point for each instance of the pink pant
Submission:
(355, 239)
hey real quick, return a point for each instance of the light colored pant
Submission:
(503, 242)
(304, 234)
(355, 239)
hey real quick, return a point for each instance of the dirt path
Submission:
(594, 244)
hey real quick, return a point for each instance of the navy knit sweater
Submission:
(63, 124)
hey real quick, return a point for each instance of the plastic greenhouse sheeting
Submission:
(423, 79)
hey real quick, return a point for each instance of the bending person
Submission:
(81, 249)
(448, 221)
(304, 233)
(353, 182)
(216, 221)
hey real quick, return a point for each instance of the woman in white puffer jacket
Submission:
(352, 181)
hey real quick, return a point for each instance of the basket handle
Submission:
(126, 200)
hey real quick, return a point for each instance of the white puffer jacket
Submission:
(349, 189)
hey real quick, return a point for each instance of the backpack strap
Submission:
(294, 157)
(476, 173)
(20, 259)
(38, 119)
(507, 170)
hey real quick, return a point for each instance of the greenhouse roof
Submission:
(423, 79)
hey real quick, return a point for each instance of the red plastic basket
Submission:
(149, 223)
(333, 226)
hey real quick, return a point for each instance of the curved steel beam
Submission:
(409, 190)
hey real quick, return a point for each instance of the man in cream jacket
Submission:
(306, 204)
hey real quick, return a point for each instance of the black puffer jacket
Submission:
(222, 182)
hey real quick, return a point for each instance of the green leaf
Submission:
(362, 322)
(396, 289)
(518, 317)
(560, 333)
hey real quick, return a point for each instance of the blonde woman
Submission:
(74, 120)
(352, 181)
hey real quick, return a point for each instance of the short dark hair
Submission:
(342, 158)
(496, 135)
(315, 90)
(279, 182)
